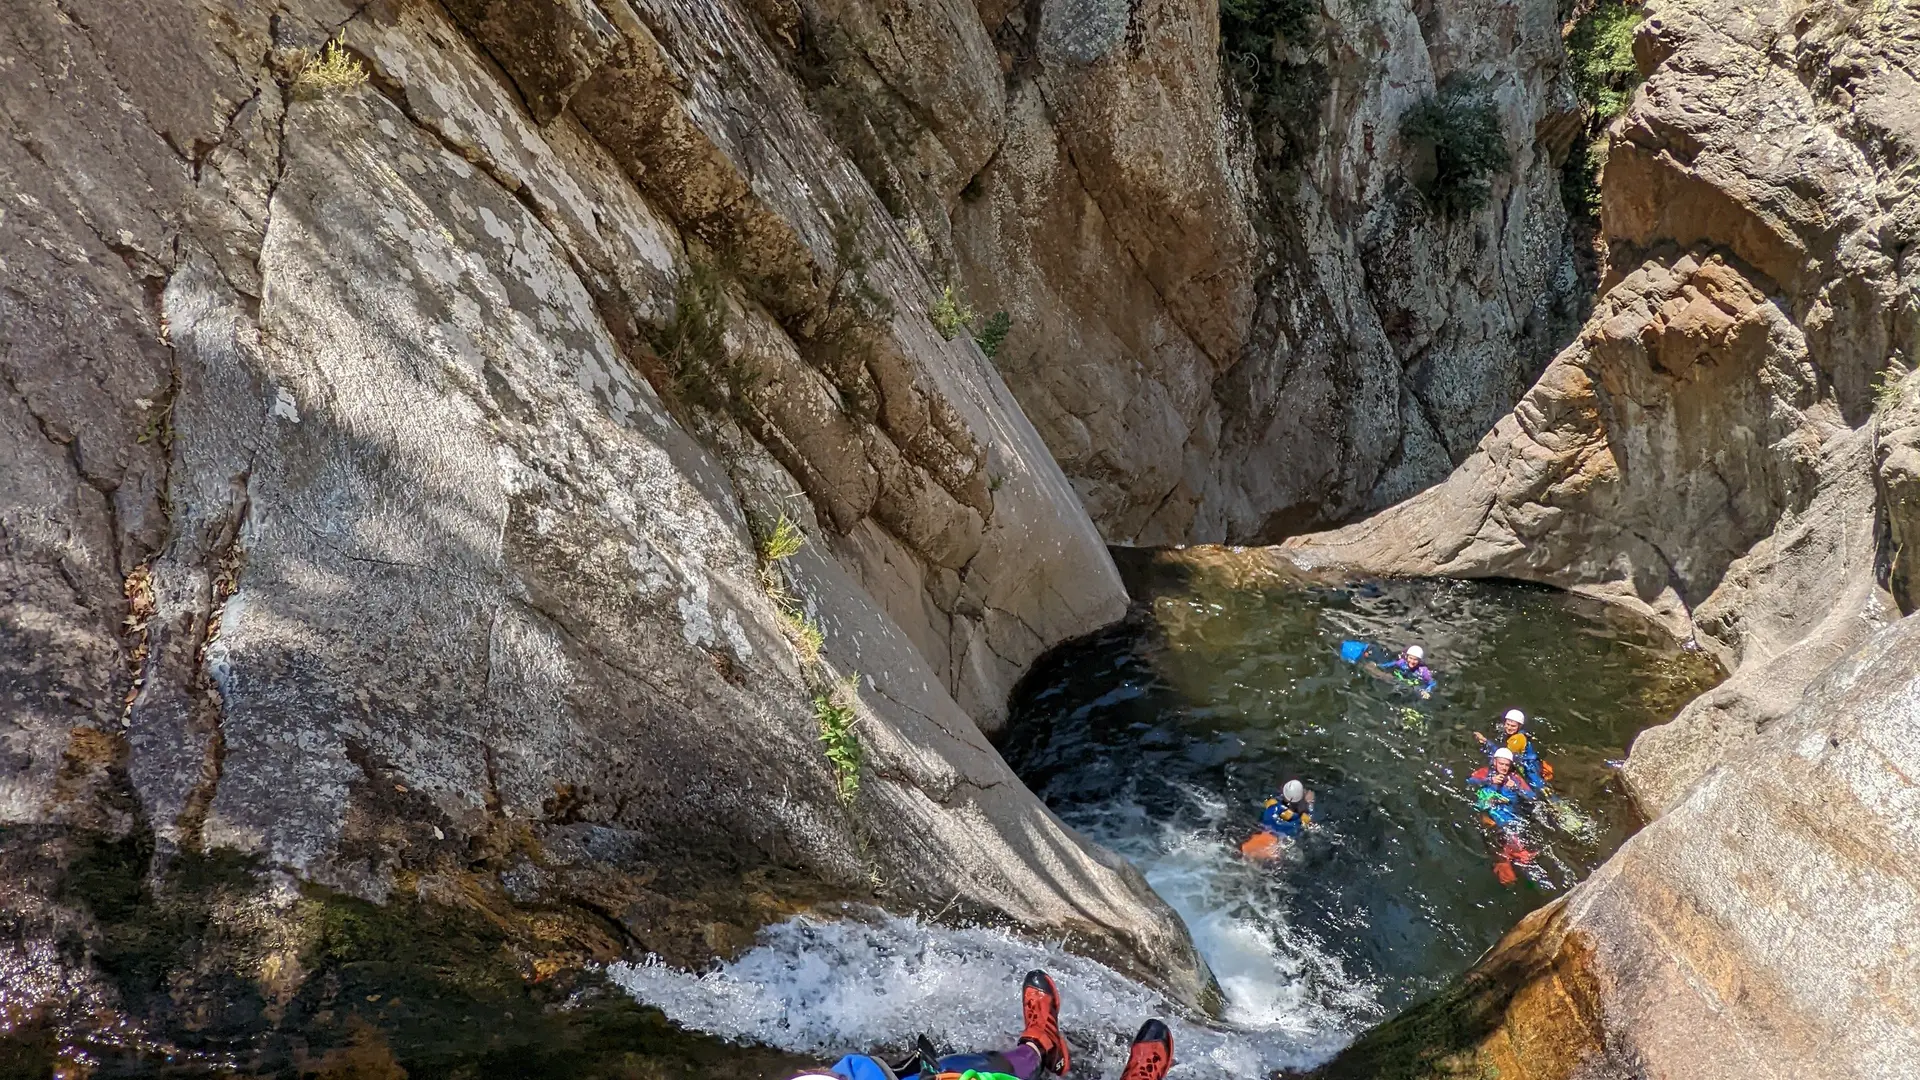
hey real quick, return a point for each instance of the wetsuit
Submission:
(1526, 760)
(1286, 819)
(1500, 795)
(1420, 675)
(1020, 1063)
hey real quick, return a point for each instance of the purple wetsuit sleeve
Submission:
(1025, 1061)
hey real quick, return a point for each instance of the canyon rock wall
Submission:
(394, 429)
(1225, 329)
(1691, 952)
(1728, 447)
(1713, 449)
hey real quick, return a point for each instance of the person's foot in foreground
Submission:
(1040, 1009)
(1152, 1053)
(1041, 1047)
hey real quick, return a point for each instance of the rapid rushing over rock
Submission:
(493, 488)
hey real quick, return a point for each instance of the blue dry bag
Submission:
(1352, 651)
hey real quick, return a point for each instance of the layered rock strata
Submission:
(1224, 329)
(1728, 447)
(398, 402)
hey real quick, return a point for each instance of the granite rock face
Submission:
(389, 456)
(1693, 950)
(1722, 446)
(1728, 447)
(1223, 332)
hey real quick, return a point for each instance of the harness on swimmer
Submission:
(928, 1064)
(1288, 811)
(976, 1074)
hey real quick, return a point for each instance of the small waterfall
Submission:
(830, 986)
(1161, 743)
(1278, 980)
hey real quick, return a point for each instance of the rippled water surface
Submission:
(1160, 737)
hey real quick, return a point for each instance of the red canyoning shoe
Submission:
(1152, 1053)
(1040, 1007)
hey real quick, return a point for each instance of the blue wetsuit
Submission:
(1286, 819)
(1020, 1063)
(1419, 675)
(1501, 796)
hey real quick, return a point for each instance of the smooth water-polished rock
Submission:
(1763, 921)
(365, 527)
(1727, 447)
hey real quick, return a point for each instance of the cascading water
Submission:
(828, 986)
(1160, 736)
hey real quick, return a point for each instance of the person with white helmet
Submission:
(1411, 667)
(1288, 812)
(1526, 754)
(1500, 789)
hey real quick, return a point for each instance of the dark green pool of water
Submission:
(1160, 736)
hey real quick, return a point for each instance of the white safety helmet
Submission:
(1503, 754)
(1516, 716)
(1294, 791)
(1415, 652)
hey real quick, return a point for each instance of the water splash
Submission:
(1161, 746)
(829, 986)
(1277, 978)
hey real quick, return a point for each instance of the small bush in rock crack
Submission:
(993, 333)
(333, 70)
(1269, 48)
(1600, 54)
(833, 707)
(693, 343)
(1462, 124)
(949, 314)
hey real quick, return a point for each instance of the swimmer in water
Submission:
(1411, 667)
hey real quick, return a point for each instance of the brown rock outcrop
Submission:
(1216, 346)
(1896, 448)
(1705, 451)
(1726, 447)
(1750, 932)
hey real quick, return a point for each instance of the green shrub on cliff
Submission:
(1267, 48)
(1600, 55)
(693, 343)
(1462, 124)
(1600, 58)
(1887, 388)
(993, 333)
(333, 70)
(949, 314)
(833, 707)
(784, 541)
(1250, 26)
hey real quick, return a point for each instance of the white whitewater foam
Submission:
(1275, 978)
(827, 987)
(823, 986)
